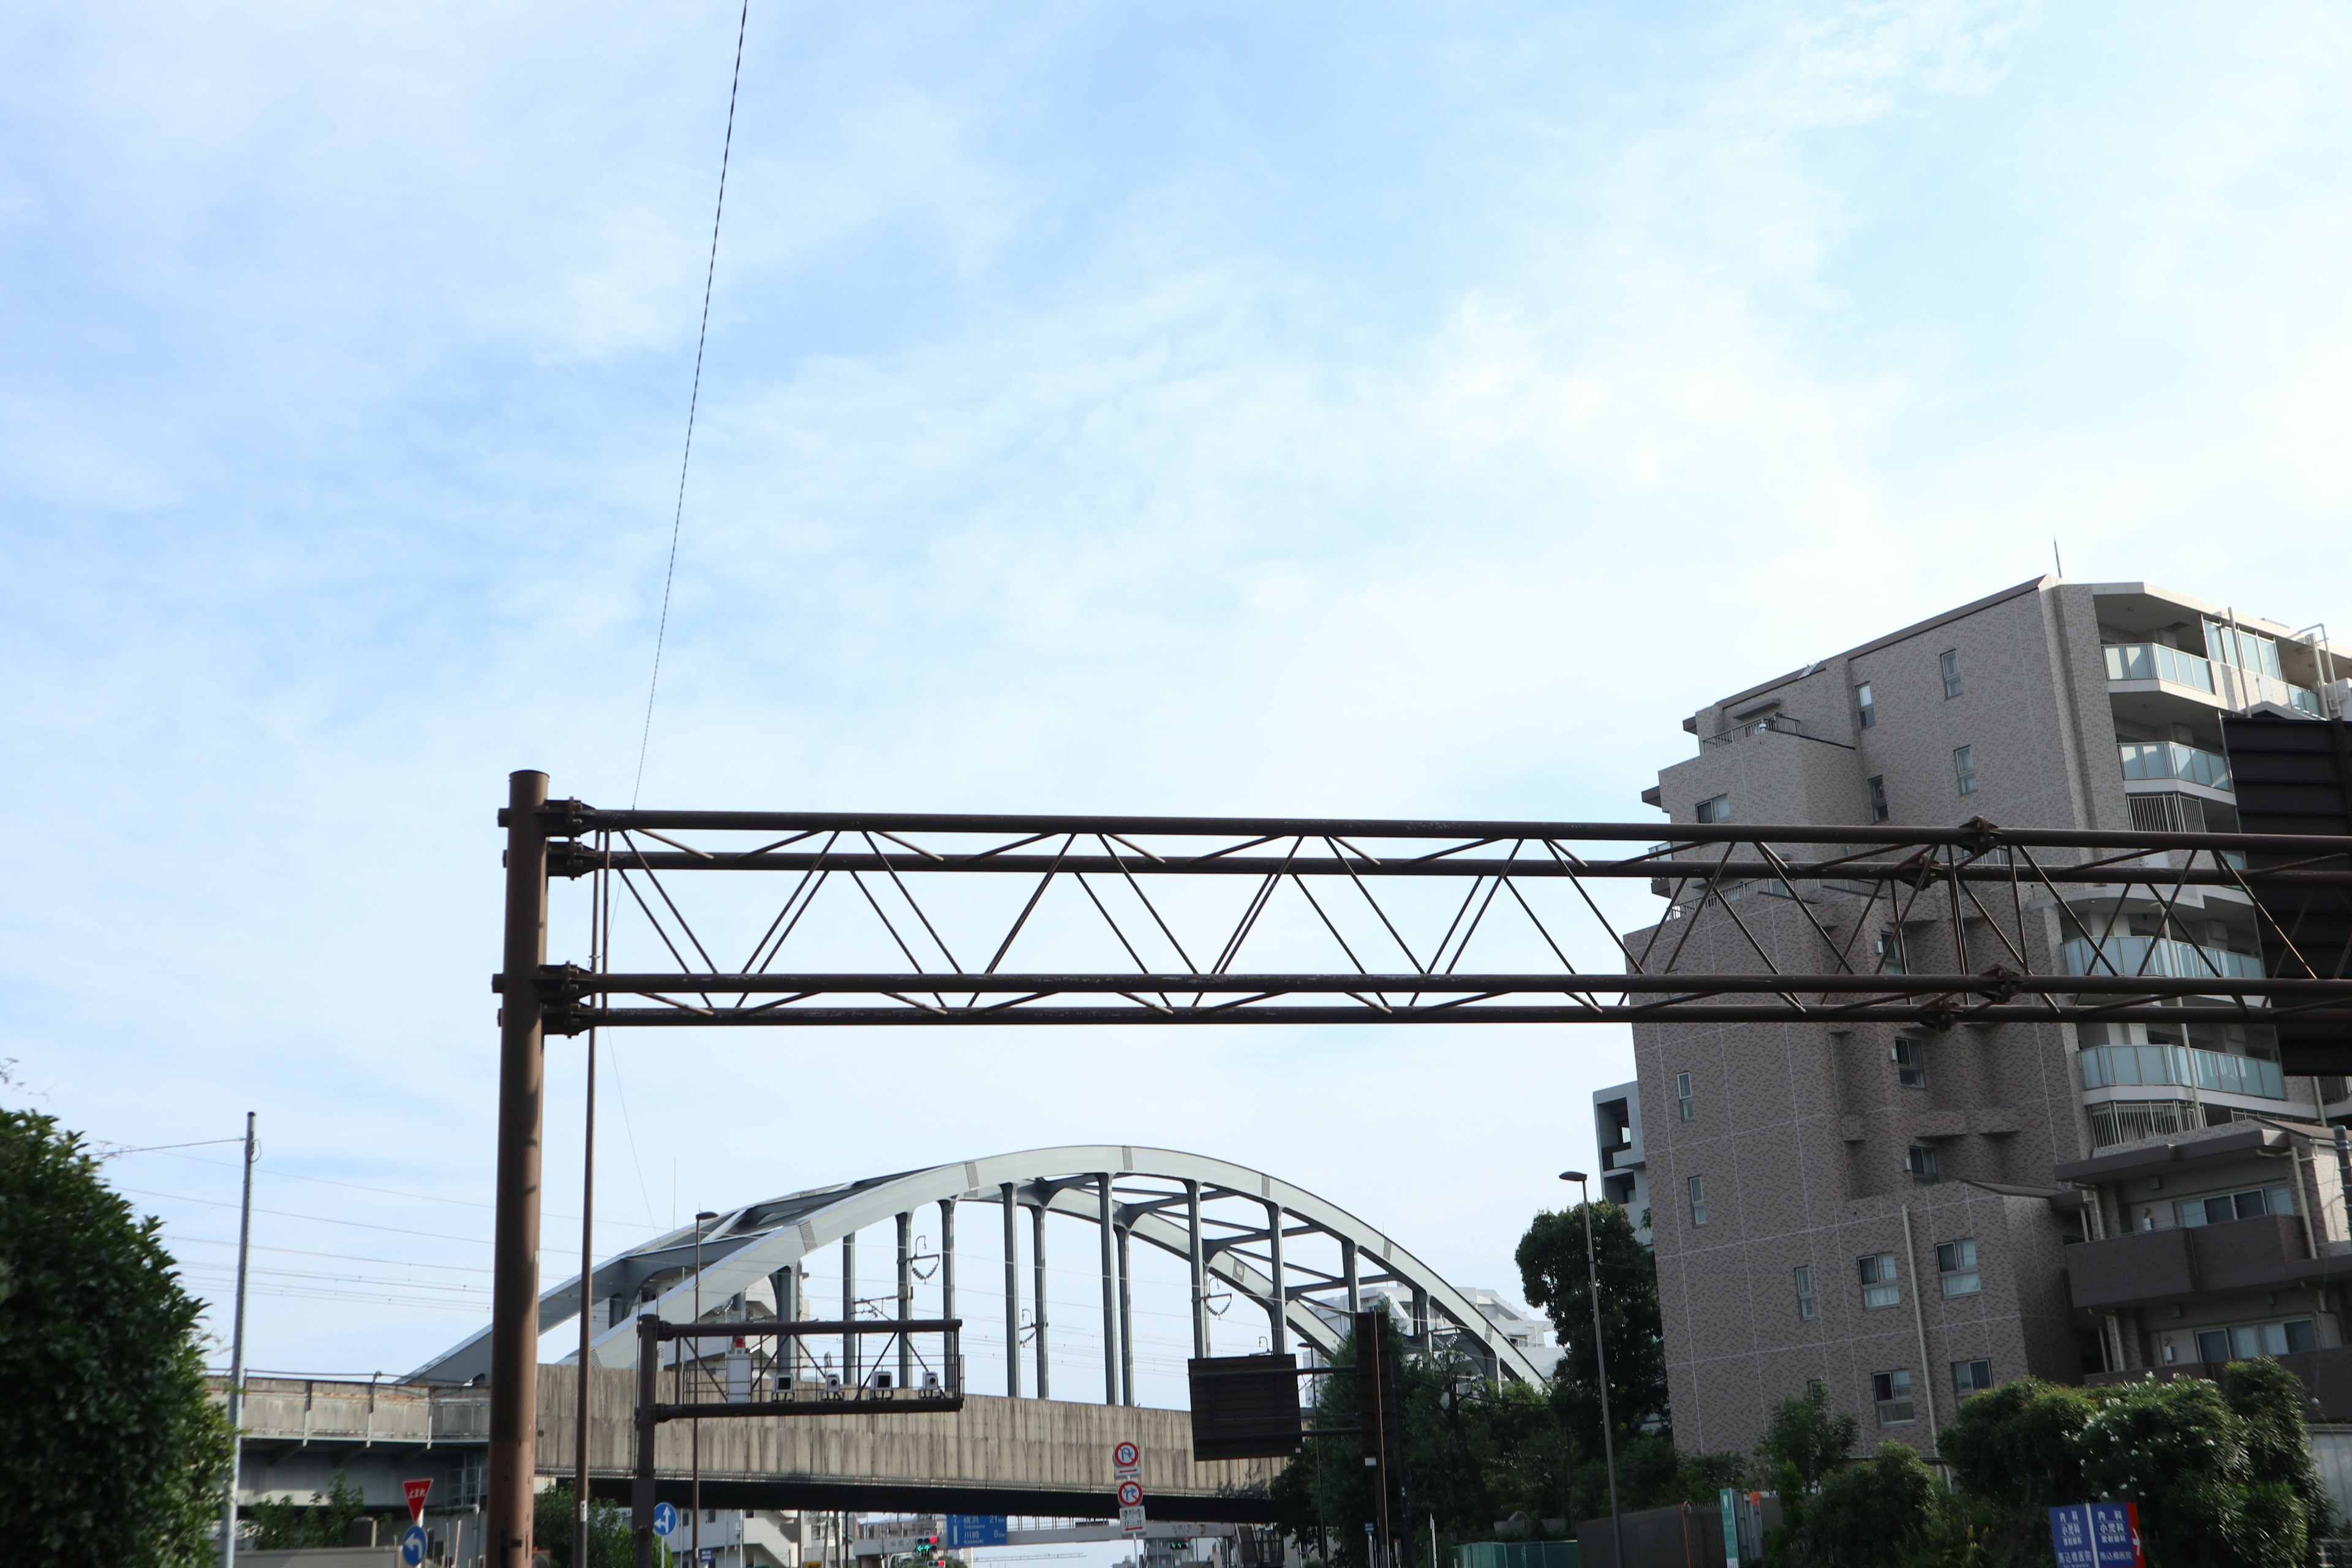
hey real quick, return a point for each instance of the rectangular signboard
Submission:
(1130, 1520)
(976, 1530)
(2098, 1535)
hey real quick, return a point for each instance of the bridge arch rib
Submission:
(1155, 1197)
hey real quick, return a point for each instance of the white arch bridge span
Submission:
(1240, 1236)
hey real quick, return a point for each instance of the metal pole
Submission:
(1200, 1266)
(906, 1296)
(514, 1282)
(1348, 1267)
(587, 1296)
(2344, 1175)
(694, 1426)
(1599, 1361)
(1012, 1292)
(1107, 1225)
(1126, 1324)
(237, 1354)
(1919, 1321)
(1037, 1262)
(851, 1356)
(641, 1489)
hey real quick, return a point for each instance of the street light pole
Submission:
(1599, 1363)
(237, 1357)
(705, 1218)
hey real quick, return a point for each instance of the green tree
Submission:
(1803, 1443)
(553, 1518)
(282, 1524)
(1889, 1511)
(1553, 1274)
(111, 1447)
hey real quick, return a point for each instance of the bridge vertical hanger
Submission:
(947, 1274)
(1279, 1301)
(1011, 1293)
(905, 1295)
(1038, 1263)
(1108, 1224)
(1125, 1323)
(851, 1357)
(1200, 1266)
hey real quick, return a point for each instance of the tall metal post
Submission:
(237, 1357)
(1038, 1263)
(1354, 1272)
(641, 1487)
(947, 1280)
(1126, 1324)
(694, 1427)
(1280, 1338)
(514, 1281)
(587, 1300)
(1600, 1361)
(788, 1348)
(1107, 1224)
(906, 1297)
(1012, 1292)
(1199, 1262)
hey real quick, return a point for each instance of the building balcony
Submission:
(2159, 955)
(2149, 1267)
(2223, 685)
(2175, 760)
(2327, 1373)
(2124, 1066)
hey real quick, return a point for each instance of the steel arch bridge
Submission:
(1232, 1226)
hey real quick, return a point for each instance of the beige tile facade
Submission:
(1800, 1135)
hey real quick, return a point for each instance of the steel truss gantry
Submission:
(1180, 922)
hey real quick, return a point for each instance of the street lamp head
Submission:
(707, 1214)
(1576, 1176)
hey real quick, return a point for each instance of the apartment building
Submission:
(1617, 1134)
(1907, 1216)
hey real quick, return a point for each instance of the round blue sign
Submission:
(665, 1519)
(412, 1546)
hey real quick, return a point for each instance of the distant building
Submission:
(1532, 1336)
(1617, 1134)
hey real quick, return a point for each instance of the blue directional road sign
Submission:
(665, 1517)
(976, 1530)
(412, 1546)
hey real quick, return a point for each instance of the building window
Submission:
(1957, 1262)
(2244, 1342)
(1816, 1389)
(2252, 1204)
(1921, 1162)
(1964, 769)
(1717, 809)
(1878, 1286)
(1892, 959)
(1698, 1200)
(1892, 1390)
(1950, 662)
(1804, 1290)
(1688, 1105)
(1878, 799)
(1910, 1061)
(1864, 707)
(1971, 1377)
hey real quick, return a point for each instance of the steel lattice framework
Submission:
(1390, 952)
(883, 919)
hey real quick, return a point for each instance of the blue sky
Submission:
(1347, 410)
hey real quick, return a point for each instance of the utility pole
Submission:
(514, 1281)
(1600, 1362)
(601, 925)
(237, 1357)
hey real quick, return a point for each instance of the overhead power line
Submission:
(693, 401)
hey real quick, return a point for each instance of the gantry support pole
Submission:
(852, 1358)
(1353, 1271)
(1011, 1293)
(514, 1261)
(954, 1375)
(641, 1484)
(1107, 1224)
(1200, 1265)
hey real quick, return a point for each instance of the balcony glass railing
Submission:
(2181, 960)
(2154, 661)
(2173, 760)
(2128, 1066)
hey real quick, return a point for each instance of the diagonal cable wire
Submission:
(693, 401)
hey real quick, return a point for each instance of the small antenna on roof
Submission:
(2055, 561)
